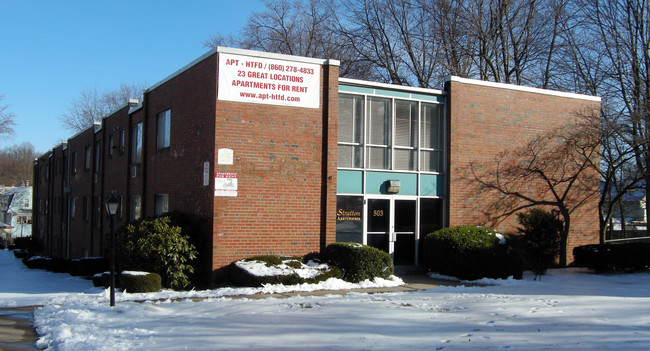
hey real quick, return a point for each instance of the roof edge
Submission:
(522, 88)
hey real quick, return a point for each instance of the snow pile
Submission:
(260, 269)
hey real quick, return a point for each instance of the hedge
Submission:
(139, 282)
(88, 266)
(627, 257)
(359, 262)
(470, 253)
(282, 270)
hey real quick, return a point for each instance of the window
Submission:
(406, 135)
(122, 140)
(431, 147)
(27, 203)
(350, 131)
(162, 204)
(87, 158)
(164, 120)
(73, 207)
(390, 134)
(379, 133)
(111, 146)
(73, 162)
(24, 220)
(136, 143)
(136, 207)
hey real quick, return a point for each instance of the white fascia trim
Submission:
(370, 84)
(522, 88)
(283, 57)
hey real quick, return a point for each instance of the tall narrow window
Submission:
(87, 158)
(162, 204)
(98, 161)
(136, 143)
(111, 145)
(431, 138)
(73, 163)
(350, 131)
(379, 133)
(163, 129)
(136, 207)
(122, 140)
(406, 135)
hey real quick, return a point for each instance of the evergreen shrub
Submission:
(139, 283)
(154, 245)
(102, 279)
(540, 234)
(359, 262)
(36, 262)
(470, 252)
(88, 266)
(628, 257)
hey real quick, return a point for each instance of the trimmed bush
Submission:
(153, 245)
(359, 262)
(628, 257)
(36, 262)
(20, 253)
(139, 282)
(470, 252)
(540, 231)
(102, 279)
(260, 270)
(88, 266)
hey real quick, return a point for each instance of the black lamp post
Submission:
(111, 207)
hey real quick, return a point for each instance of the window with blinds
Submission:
(350, 131)
(431, 147)
(379, 133)
(389, 134)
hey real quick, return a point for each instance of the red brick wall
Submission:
(285, 158)
(484, 121)
(81, 185)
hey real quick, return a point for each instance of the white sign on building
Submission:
(268, 81)
(225, 184)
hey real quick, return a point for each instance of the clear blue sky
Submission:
(51, 50)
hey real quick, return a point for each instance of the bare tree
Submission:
(609, 56)
(7, 120)
(16, 164)
(551, 171)
(300, 27)
(92, 105)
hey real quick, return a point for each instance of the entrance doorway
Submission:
(392, 227)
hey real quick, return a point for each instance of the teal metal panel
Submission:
(393, 93)
(355, 89)
(432, 185)
(375, 182)
(349, 182)
(436, 98)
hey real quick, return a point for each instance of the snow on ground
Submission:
(569, 310)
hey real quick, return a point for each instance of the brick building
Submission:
(275, 154)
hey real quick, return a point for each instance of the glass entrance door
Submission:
(391, 227)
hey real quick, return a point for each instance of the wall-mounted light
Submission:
(392, 186)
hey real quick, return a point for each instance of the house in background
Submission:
(16, 212)
(629, 219)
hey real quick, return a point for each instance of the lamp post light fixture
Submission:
(112, 203)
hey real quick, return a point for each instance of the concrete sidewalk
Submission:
(17, 332)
